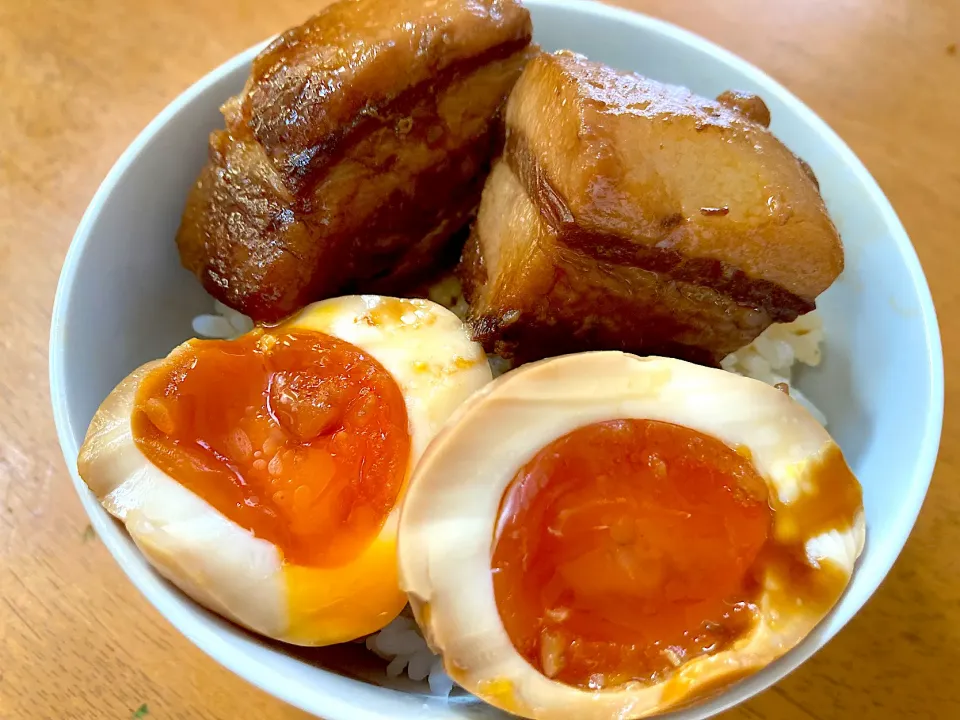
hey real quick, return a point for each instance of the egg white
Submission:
(430, 355)
(449, 517)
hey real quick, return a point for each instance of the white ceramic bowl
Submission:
(123, 299)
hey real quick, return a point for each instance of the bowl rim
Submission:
(271, 680)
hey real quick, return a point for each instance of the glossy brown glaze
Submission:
(75, 627)
(686, 224)
(355, 152)
(663, 258)
(319, 81)
(532, 297)
(747, 104)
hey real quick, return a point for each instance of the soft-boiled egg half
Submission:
(606, 536)
(263, 475)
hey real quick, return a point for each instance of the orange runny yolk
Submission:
(626, 548)
(297, 436)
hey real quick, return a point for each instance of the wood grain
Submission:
(80, 78)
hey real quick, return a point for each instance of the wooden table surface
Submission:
(80, 78)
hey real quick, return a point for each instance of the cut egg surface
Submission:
(263, 475)
(606, 536)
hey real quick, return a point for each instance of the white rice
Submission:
(223, 323)
(449, 293)
(770, 358)
(402, 644)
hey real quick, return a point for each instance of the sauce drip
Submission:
(297, 436)
(627, 548)
(800, 592)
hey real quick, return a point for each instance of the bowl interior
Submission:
(124, 299)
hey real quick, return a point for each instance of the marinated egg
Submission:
(263, 475)
(607, 536)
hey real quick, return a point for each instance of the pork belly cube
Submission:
(356, 151)
(628, 214)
